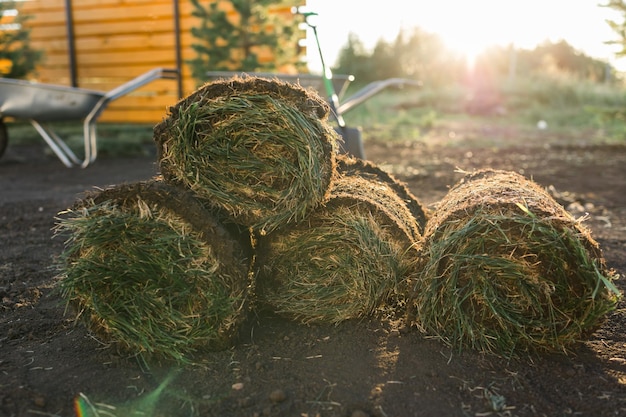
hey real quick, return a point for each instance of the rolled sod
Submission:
(151, 269)
(355, 167)
(506, 269)
(260, 150)
(351, 258)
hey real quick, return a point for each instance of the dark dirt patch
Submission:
(280, 368)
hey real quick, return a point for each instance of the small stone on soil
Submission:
(278, 396)
(40, 401)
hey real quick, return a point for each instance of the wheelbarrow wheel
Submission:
(352, 143)
(4, 138)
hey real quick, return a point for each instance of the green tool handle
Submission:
(327, 75)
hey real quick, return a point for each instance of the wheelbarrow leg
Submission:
(4, 137)
(58, 146)
(89, 125)
(91, 146)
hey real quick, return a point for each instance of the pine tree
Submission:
(232, 42)
(618, 27)
(17, 58)
(355, 60)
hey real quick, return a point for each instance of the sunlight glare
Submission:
(470, 28)
(467, 28)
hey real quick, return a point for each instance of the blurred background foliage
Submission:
(17, 57)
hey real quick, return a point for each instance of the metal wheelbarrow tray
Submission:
(41, 103)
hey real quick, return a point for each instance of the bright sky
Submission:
(467, 26)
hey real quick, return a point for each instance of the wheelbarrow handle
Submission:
(89, 125)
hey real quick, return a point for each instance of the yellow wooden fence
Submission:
(114, 41)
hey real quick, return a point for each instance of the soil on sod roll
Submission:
(261, 150)
(351, 258)
(350, 166)
(153, 271)
(507, 269)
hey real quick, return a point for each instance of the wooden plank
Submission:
(123, 28)
(32, 7)
(149, 116)
(132, 41)
(120, 3)
(50, 17)
(131, 103)
(36, 6)
(128, 42)
(43, 34)
(46, 5)
(50, 45)
(119, 73)
(111, 59)
(132, 12)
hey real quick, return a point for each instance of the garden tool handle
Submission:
(327, 74)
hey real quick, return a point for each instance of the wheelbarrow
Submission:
(41, 103)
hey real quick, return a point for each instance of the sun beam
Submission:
(467, 28)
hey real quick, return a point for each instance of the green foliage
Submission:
(225, 43)
(15, 51)
(417, 54)
(618, 27)
(397, 115)
(567, 104)
(550, 59)
(354, 60)
(572, 108)
(414, 54)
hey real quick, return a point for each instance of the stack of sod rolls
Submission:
(260, 150)
(506, 269)
(251, 181)
(151, 269)
(351, 258)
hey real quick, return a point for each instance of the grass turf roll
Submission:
(261, 150)
(354, 167)
(351, 258)
(150, 269)
(506, 269)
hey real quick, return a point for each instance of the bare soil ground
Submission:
(280, 368)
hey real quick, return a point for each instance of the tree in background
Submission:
(549, 59)
(234, 41)
(414, 54)
(17, 58)
(353, 59)
(423, 56)
(618, 27)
